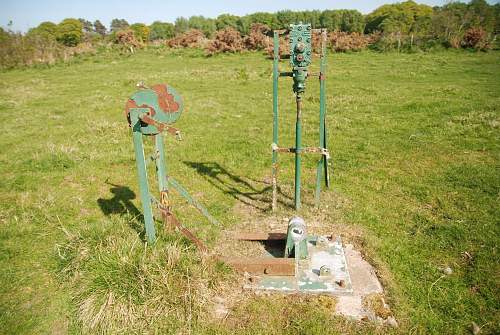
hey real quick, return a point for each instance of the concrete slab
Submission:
(364, 283)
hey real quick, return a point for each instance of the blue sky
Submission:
(26, 13)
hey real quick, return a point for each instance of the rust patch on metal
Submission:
(165, 99)
(170, 219)
(259, 266)
(260, 236)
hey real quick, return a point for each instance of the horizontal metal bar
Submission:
(305, 150)
(259, 236)
(264, 265)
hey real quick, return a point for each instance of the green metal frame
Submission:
(164, 181)
(300, 59)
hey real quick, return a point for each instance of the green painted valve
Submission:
(300, 54)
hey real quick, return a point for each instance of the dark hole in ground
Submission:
(276, 248)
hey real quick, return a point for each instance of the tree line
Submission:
(402, 26)
(446, 22)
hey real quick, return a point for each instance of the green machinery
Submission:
(150, 113)
(300, 36)
(302, 262)
(308, 263)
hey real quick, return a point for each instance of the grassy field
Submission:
(415, 150)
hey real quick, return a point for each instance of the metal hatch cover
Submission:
(324, 271)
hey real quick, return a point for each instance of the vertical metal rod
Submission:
(161, 167)
(143, 179)
(298, 150)
(322, 163)
(275, 118)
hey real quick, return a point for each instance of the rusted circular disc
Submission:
(164, 103)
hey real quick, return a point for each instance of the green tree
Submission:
(69, 32)
(141, 31)
(404, 17)
(161, 30)
(99, 28)
(352, 21)
(226, 20)
(482, 15)
(118, 24)
(46, 29)
(206, 25)
(285, 18)
(331, 20)
(181, 25)
(312, 17)
(88, 27)
(268, 19)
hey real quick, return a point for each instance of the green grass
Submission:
(414, 140)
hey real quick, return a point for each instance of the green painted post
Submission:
(323, 162)
(298, 149)
(143, 177)
(161, 167)
(275, 116)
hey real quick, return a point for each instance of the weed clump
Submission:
(258, 38)
(126, 39)
(343, 42)
(120, 283)
(193, 38)
(226, 40)
(476, 38)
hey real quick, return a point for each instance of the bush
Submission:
(226, 40)
(47, 30)
(342, 41)
(190, 39)
(284, 47)
(258, 39)
(69, 32)
(126, 39)
(17, 50)
(141, 32)
(476, 38)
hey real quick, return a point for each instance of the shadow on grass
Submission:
(237, 187)
(121, 204)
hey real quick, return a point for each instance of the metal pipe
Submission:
(161, 167)
(143, 179)
(298, 149)
(322, 167)
(275, 117)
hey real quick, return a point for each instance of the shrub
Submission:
(257, 38)
(226, 40)
(342, 41)
(284, 47)
(141, 32)
(17, 50)
(476, 38)
(47, 30)
(69, 32)
(126, 39)
(190, 39)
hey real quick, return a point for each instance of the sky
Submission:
(25, 14)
